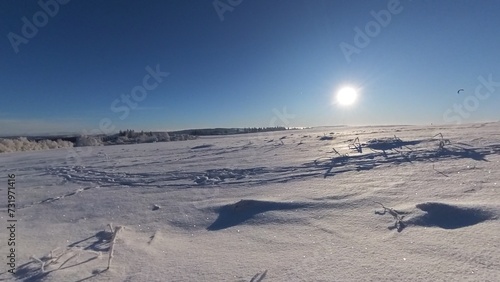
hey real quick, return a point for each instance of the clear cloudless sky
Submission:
(246, 63)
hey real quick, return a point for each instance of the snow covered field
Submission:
(298, 205)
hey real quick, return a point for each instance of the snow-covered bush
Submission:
(23, 144)
(84, 140)
(163, 136)
(145, 139)
(122, 140)
(178, 137)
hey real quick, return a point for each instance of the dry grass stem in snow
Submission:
(115, 231)
(398, 225)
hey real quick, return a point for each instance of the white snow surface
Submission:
(280, 206)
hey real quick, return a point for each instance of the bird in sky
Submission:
(458, 92)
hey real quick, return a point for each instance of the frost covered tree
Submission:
(84, 140)
(163, 136)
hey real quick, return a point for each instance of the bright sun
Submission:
(347, 96)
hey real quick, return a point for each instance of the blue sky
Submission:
(240, 63)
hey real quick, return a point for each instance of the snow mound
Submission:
(237, 213)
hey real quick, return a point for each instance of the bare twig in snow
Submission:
(356, 145)
(54, 259)
(42, 263)
(259, 277)
(442, 173)
(442, 141)
(399, 225)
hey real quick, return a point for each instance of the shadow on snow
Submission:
(235, 214)
(449, 216)
(396, 151)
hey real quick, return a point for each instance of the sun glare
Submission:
(347, 96)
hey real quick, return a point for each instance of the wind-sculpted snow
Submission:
(237, 213)
(434, 214)
(326, 166)
(182, 179)
(450, 216)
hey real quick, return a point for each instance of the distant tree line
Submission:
(130, 136)
(262, 129)
(226, 131)
(130, 133)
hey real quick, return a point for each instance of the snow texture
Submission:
(373, 203)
